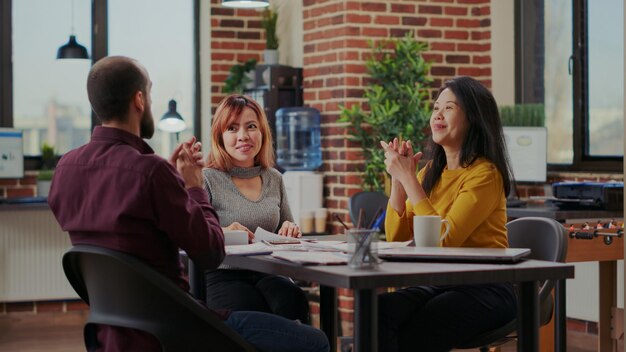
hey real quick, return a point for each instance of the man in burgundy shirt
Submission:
(116, 193)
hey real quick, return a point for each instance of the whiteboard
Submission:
(11, 153)
(527, 152)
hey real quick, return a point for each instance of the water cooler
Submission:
(298, 151)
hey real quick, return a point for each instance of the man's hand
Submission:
(188, 162)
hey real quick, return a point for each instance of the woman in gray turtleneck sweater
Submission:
(247, 192)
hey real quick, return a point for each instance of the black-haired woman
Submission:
(466, 183)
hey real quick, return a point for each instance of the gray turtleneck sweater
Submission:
(268, 212)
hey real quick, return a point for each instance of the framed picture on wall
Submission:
(11, 153)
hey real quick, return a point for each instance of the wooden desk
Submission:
(388, 274)
(582, 250)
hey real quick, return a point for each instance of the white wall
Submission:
(503, 51)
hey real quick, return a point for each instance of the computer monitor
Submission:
(11, 153)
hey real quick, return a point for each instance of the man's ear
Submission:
(139, 101)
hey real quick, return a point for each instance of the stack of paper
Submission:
(312, 258)
(248, 249)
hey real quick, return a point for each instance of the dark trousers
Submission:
(251, 291)
(439, 318)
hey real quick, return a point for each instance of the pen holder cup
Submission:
(362, 248)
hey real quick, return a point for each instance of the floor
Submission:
(63, 333)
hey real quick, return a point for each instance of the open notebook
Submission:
(455, 254)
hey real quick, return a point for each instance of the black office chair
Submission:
(370, 202)
(547, 240)
(123, 291)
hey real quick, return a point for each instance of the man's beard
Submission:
(146, 126)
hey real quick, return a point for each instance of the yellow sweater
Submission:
(472, 199)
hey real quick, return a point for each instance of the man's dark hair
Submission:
(484, 137)
(111, 84)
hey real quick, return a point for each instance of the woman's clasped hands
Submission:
(400, 161)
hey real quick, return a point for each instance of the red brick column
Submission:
(236, 36)
(336, 34)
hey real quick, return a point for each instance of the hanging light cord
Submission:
(73, 17)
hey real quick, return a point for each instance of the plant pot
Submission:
(270, 56)
(43, 188)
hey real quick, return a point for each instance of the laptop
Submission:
(455, 254)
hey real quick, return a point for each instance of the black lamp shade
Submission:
(171, 120)
(72, 50)
(246, 4)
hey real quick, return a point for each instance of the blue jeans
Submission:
(269, 332)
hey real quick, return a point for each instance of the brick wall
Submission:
(22, 187)
(236, 36)
(336, 34)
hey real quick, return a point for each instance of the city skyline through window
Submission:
(50, 97)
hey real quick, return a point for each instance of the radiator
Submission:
(31, 248)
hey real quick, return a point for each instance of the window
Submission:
(47, 98)
(163, 43)
(570, 58)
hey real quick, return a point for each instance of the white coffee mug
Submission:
(232, 237)
(427, 230)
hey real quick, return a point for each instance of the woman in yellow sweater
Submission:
(466, 183)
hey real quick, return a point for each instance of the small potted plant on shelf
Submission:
(268, 22)
(44, 178)
(239, 77)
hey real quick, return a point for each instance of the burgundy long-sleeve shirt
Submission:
(114, 192)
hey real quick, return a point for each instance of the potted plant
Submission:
(398, 100)
(239, 77)
(268, 22)
(44, 177)
(528, 115)
(526, 141)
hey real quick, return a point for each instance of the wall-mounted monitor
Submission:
(527, 152)
(11, 153)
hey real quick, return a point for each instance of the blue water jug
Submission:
(298, 144)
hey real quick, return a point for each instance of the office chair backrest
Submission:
(370, 202)
(123, 291)
(547, 240)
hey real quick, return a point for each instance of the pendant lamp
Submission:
(72, 50)
(171, 120)
(246, 4)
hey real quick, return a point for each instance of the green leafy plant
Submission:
(268, 22)
(398, 103)
(237, 77)
(48, 161)
(529, 115)
(48, 158)
(45, 175)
